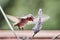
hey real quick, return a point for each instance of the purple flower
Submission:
(38, 25)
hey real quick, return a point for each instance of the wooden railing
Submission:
(42, 35)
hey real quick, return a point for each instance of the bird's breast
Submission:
(22, 23)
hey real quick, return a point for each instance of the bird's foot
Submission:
(21, 29)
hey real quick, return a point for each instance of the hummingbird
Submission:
(20, 22)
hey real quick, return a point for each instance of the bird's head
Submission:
(30, 17)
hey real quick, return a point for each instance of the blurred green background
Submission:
(23, 7)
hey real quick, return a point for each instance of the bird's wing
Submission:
(12, 18)
(44, 18)
(29, 15)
